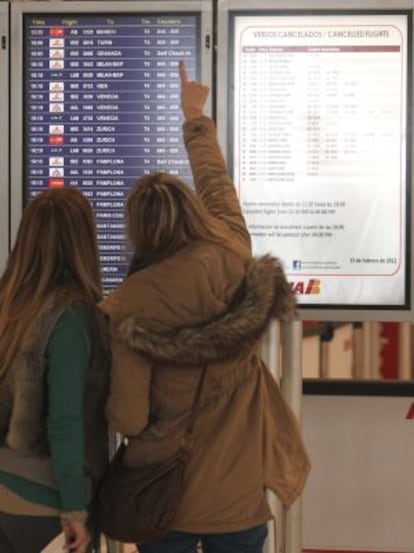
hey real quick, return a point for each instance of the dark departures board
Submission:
(102, 107)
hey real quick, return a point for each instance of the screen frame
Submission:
(4, 124)
(19, 10)
(226, 8)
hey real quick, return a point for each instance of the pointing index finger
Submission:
(183, 72)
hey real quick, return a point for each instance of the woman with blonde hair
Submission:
(53, 375)
(196, 298)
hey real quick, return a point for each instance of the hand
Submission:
(77, 536)
(193, 95)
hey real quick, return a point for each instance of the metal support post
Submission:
(291, 386)
(271, 354)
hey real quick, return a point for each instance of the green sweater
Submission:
(67, 353)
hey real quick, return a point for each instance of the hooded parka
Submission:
(206, 305)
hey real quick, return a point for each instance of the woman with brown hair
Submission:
(196, 298)
(53, 375)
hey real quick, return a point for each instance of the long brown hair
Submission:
(163, 214)
(55, 248)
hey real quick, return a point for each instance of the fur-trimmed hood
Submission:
(263, 295)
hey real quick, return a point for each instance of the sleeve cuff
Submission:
(67, 517)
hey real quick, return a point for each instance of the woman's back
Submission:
(196, 299)
(205, 305)
(53, 381)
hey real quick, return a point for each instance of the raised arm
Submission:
(212, 182)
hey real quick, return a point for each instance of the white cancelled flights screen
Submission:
(319, 150)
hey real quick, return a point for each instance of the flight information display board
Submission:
(102, 107)
(319, 142)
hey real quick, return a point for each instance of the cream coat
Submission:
(205, 306)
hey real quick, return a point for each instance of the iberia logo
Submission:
(312, 286)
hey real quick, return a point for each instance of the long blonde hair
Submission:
(55, 248)
(163, 214)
